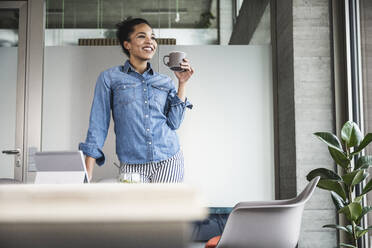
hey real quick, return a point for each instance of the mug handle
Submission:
(167, 64)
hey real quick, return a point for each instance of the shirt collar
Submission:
(128, 67)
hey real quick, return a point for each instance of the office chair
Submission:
(265, 224)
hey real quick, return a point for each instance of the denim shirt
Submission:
(146, 112)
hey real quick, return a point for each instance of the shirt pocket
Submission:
(124, 94)
(160, 94)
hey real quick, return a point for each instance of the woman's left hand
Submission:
(184, 75)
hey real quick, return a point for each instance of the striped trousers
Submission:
(166, 171)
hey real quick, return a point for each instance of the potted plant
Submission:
(342, 184)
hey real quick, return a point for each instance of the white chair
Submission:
(270, 224)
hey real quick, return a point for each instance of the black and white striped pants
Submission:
(166, 171)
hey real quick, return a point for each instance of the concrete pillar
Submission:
(305, 105)
(366, 42)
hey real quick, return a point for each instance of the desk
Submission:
(98, 215)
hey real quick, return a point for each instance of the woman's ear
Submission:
(126, 45)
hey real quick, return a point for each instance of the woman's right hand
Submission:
(89, 164)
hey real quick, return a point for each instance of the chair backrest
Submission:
(266, 224)
(306, 194)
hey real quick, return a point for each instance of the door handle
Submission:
(12, 152)
(16, 152)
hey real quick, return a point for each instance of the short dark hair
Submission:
(126, 28)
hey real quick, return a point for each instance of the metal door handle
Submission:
(12, 152)
(16, 152)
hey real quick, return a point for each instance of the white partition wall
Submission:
(8, 96)
(227, 138)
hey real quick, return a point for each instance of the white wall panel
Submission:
(227, 138)
(8, 90)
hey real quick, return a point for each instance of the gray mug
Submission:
(174, 60)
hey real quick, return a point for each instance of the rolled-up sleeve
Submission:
(99, 121)
(176, 109)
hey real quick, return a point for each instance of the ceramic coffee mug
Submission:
(174, 60)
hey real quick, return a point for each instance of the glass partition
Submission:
(9, 19)
(190, 24)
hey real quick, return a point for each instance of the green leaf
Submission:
(367, 188)
(360, 231)
(363, 162)
(332, 185)
(367, 139)
(338, 227)
(350, 133)
(358, 228)
(337, 200)
(348, 178)
(349, 228)
(346, 245)
(352, 211)
(360, 179)
(323, 173)
(358, 199)
(329, 180)
(364, 212)
(330, 139)
(339, 157)
(355, 177)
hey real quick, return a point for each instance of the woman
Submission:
(146, 108)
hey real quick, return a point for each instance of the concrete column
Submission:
(314, 111)
(305, 105)
(366, 42)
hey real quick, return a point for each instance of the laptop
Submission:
(60, 167)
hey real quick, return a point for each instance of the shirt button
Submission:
(146, 116)
(143, 81)
(149, 143)
(144, 89)
(145, 102)
(148, 129)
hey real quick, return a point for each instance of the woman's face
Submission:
(142, 43)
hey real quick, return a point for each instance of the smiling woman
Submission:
(137, 41)
(231, 89)
(146, 140)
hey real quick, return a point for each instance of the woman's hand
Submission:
(184, 76)
(89, 164)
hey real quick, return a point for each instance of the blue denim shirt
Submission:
(146, 112)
